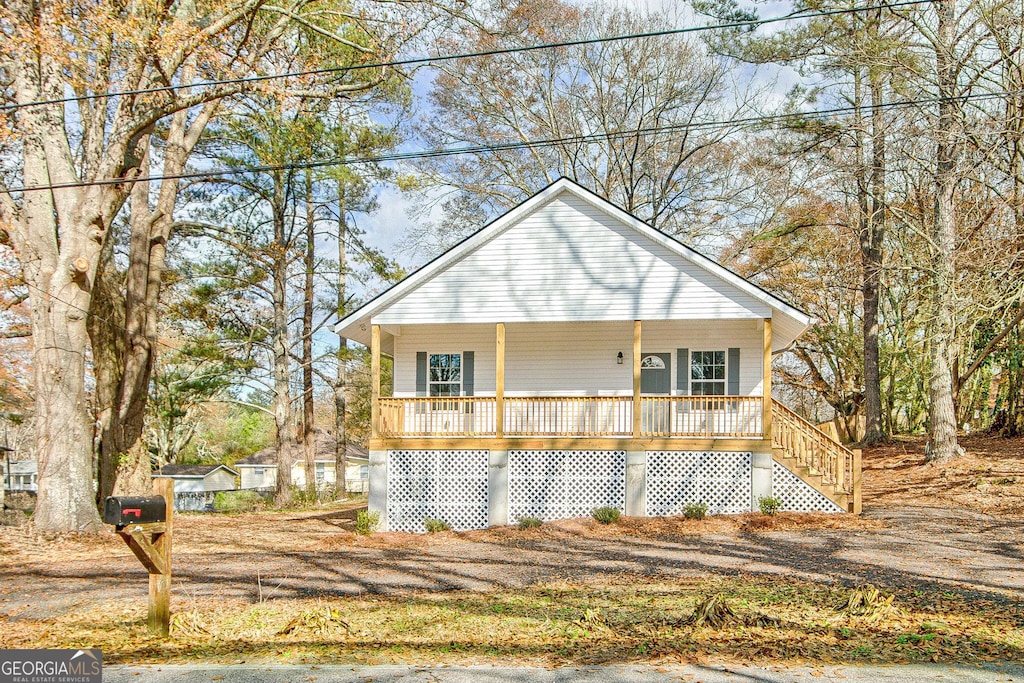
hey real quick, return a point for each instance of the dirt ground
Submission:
(925, 528)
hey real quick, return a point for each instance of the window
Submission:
(257, 472)
(364, 472)
(444, 376)
(652, 363)
(319, 472)
(707, 373)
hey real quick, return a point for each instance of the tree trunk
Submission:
(282, 390)
(871, 257)
(58, 235)
(942, 411)
(308, 431)
(341, 443)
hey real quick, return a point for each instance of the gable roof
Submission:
(192, 471)
(401, 304)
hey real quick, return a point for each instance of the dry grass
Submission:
(591, 618)
(989, 478)
(620, 620)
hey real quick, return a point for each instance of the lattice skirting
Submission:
(446, 485)
(797, 495)
(676, 479)
(564, 484)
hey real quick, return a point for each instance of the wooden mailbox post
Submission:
(151, 543)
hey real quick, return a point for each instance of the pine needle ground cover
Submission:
(931, 572)
(626, 619)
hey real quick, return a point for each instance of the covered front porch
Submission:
(629, 393)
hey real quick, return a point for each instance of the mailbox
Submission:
(125, 510)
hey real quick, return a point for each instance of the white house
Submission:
(200, 478)
(259, 470)
(569, 356)
(21, 475)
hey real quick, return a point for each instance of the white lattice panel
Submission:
(447, 485)
(797, 495)
(564, 484)
(676, 479)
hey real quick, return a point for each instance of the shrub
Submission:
(769, 505)
(237, 501)
(695, 511)
(606, 515)
(435, 525)
(529, 522)
(366, 522)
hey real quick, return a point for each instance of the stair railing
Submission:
(812, 448)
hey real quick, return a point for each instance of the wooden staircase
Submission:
(825, 464)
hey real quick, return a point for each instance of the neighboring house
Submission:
(569, 356)
(200, 478)
(23, 475)
(259, 470)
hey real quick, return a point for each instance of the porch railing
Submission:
(812, 448)
(572, 416)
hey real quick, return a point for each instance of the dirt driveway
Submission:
(899, 543)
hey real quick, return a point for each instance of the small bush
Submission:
(695, 511)
(529, 522)
(435, 525)
(237, 501)
(366, 522)
(606, 515)
(769, 505)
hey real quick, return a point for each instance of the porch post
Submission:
(499, 383)
(766, 386)
(636, 379)
(374, 381)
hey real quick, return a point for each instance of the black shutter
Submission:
(421, 373)
(733, 372)
(467, 373)
(467, 377)
(683, 371)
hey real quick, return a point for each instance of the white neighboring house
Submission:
(22, 476)
(259, 470)
(200, 478)
(568, 356)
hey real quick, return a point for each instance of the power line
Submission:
(751, 121)
(750, 23)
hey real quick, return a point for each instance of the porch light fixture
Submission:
(618, 359)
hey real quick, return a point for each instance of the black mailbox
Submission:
(125, 510)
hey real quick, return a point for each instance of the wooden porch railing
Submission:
(569, 416)
(701, 416)
(814, 449)
(573, 416)
(438, 416)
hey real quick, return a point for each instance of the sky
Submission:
(387, 228)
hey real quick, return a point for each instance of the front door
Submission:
(655, 373)
(655, 380)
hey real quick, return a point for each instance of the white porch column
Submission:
(636, 483)
(760, 479)
(377, 500)
(497, 489)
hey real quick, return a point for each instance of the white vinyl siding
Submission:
(480, 339)
(711, 335)
(576, 359)
(570, 261)
(221, 480)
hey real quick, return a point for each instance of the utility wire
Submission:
(750, 23)
(750, 121)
